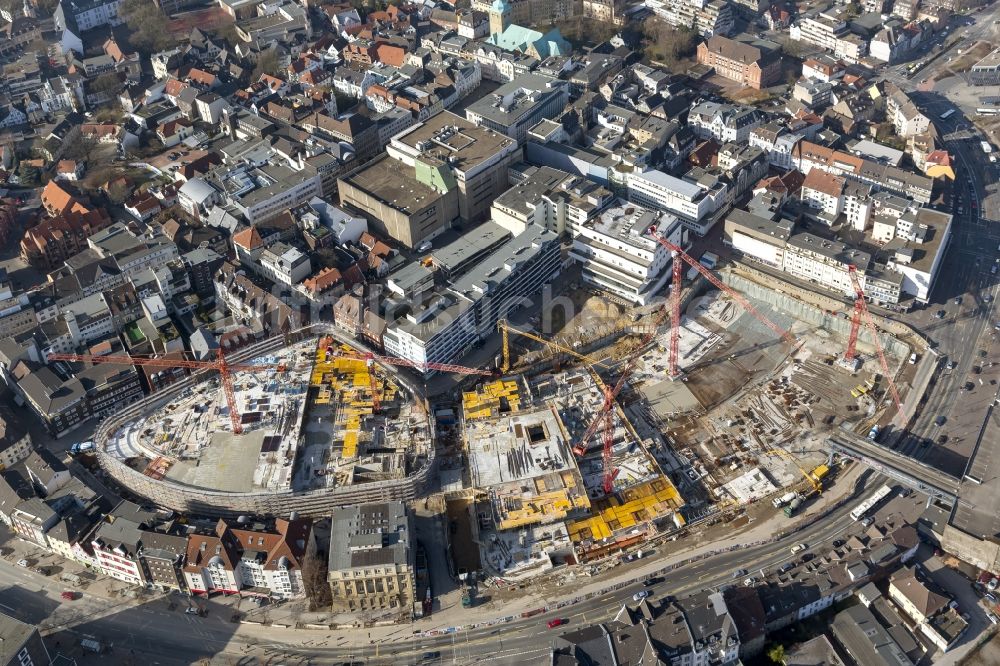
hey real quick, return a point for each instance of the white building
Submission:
(822, 191)
(618, 254)
(285, 264)
(724, 122)
(693, 202)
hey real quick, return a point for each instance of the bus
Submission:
(946, 114)
(987, 148)
(860, 510)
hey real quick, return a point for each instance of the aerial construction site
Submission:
(592, 442)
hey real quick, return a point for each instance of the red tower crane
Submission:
(224, 368)
(861, 308)
(675, 291)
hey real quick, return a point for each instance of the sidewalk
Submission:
(765, 523)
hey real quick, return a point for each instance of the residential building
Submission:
(706, 17)
(903, 113)
(162, 558)
(738, 61)
(15, 440)
(516, 106)
(828, 29)
(865, 641)
(372, 564)
(285, 264)
(823, 191)
(724, 122)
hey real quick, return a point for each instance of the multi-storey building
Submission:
(828, 29)
(693, 202)
(617, 251)
(706, 17)
(468, 157)
(738, 61)
(449, 323)
(724, 122)
(372, 564)
(516, 106)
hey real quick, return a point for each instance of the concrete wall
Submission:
(213, 503)
(816, 309)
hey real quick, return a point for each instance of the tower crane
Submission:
(675, 303)
(224, 368)
(505, 329)
(861, 312)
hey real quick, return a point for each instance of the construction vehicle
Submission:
(861, 313)
(781, 501)
(794, 506)
(506, 329)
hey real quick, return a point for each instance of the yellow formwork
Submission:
(482, 402)
(631, 507)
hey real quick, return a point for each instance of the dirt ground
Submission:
(206, 19)
(971, 57)
(987, 655)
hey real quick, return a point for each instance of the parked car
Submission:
(640, 595)
(22, 563)
(650, 582)
(68, 595)
(787, 566)
(191, 610)
(556, 622)
(940, 421)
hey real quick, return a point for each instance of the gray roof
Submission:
(13, 635)
(507, 115)
(370, 534)
(469, 245)
(865, 640)
(506, 260)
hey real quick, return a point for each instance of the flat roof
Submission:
(679, 186)
(476, 241)
(446, 137)
(979, 511)
(496, 267)
(384, 180)
(518, 96)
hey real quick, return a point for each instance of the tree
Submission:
(314, 574)
(777, 654)
(267, 63)
(109, 83)
(666, 44)
(28, 174)
(150, 26)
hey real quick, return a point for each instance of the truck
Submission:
(81, 447)
(779, 502)
(793, 507)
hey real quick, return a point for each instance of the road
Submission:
(966, 328)
(148, 632)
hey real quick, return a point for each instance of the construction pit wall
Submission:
(349, 442)
(517, 460)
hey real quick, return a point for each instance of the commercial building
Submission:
(618, 254)
(372, 563)
(693, 202)
(409, 208)
(986, 72)
(285, 264)
(469, 157)
(744, 63)
(452, 321)
(548, 197)
(516, 106)
(828, 29)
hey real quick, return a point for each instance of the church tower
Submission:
(499, 16)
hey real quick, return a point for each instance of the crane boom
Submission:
(722, 286)
(859, 307)
(870, 323)
(506, 328)
(675, 315)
